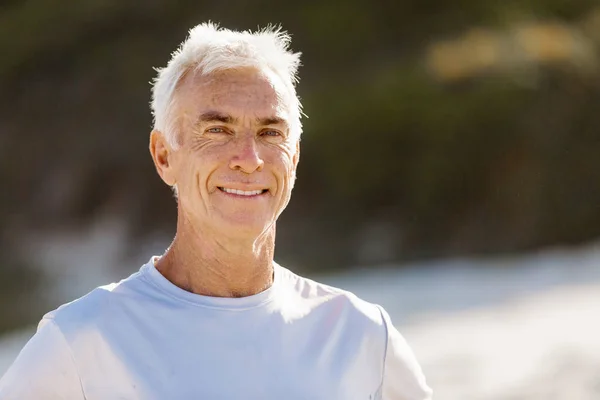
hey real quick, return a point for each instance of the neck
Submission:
(211, 264)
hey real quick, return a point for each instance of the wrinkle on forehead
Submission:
(244, 90)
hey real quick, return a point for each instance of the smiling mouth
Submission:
(243, 192)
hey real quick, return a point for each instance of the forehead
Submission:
(240, 92)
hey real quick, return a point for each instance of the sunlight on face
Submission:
(235, 167)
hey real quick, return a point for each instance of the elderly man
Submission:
(215, 317)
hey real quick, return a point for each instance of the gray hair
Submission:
(209, 48)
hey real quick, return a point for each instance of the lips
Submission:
(240, 192)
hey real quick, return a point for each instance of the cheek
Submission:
(193, 170)
(286, 170)
(283, 162)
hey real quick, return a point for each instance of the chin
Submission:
(246, 228)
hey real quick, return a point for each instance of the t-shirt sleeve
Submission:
(403, 378)
(44, 369)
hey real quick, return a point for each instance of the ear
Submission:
(295, 160)
(162, 155)
(296, 157)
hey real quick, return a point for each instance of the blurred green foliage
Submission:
(498, 160)
(20, 299)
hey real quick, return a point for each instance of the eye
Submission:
(270, 133)
(215, 130)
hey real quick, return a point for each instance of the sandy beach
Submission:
(545, 346)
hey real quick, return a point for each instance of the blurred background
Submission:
(450, 170)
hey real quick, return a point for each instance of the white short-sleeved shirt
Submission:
(145, 338)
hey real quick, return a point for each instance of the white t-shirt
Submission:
(145, 338)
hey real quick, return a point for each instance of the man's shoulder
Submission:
(95, 306)
(341, 300)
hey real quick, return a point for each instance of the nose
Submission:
(247, 158)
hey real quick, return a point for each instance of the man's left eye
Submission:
(271, 133)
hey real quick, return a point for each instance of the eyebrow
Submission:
(271, 121)
(216, 116)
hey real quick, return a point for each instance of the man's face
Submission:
(236, 163)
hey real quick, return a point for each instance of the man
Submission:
(215, 317)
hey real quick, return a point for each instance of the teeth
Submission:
(242, 192)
